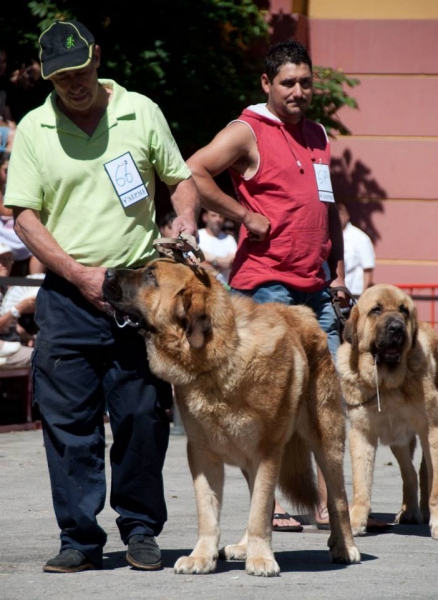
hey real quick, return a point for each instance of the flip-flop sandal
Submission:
(285, 516)
(378, 528)
(184, 248)
(370, 528)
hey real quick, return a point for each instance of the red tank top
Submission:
(284, 189)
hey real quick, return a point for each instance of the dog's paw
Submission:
(233, 552)
(341, 554)
(262, 567)
(434, 530)
(192, 565)
(409, 517)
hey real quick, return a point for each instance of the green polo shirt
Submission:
(96, 194)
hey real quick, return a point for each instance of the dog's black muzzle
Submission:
(116, 292)
(390, 341)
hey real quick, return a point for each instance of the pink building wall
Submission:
(394, 137)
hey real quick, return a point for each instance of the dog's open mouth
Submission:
(389, 355)
(123, 319)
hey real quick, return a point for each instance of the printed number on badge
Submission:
(324, 183)
(126, 179)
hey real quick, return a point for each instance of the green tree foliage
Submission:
(200, 60)
(329, 96)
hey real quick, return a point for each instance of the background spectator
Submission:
(165, 223)
(219, 247)
(359, 256)
(15, 342)
(231, 228)
(7, 126)
(24, 261)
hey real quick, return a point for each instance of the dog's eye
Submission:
(149, 276)
(404, 310)
(377, 310)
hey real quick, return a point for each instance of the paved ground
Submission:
(396, 565)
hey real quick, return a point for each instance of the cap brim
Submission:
(67, 62)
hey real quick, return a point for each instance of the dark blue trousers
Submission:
(84, 364)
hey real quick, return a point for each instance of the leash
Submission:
(341, 313)
(183, 249)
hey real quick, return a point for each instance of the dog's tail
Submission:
(297, 478)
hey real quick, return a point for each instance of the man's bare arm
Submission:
(232, 146)
(336, 258)
(367, 278)
(186, 203)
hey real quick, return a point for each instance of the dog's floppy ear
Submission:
(350, 329)
(196, 322)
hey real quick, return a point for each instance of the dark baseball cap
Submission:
(64, 46)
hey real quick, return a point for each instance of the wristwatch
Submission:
(15, 312)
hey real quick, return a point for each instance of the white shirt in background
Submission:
(218, 246)
(358, 255)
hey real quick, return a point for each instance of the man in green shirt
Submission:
(81, 182)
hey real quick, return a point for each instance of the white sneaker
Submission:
(9, 348)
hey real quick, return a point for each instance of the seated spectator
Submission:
(15, 344)
(22, 255)
(165, 223)
(219, 248)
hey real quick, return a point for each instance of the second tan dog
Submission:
(388, 367)
(256, 388)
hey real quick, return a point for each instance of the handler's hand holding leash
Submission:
(184, 248)
(342, 309)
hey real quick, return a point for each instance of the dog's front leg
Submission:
(208, 480)
(363, 453)
(260, 558)
(410, 510)
(238, 551)
(429, 443)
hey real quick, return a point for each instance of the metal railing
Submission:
(424, 301)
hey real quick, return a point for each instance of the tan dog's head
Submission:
(384, 324)
(162, 293)
(176, 306)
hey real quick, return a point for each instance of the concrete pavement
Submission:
(396, 565)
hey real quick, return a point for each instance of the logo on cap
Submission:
(70, 42)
